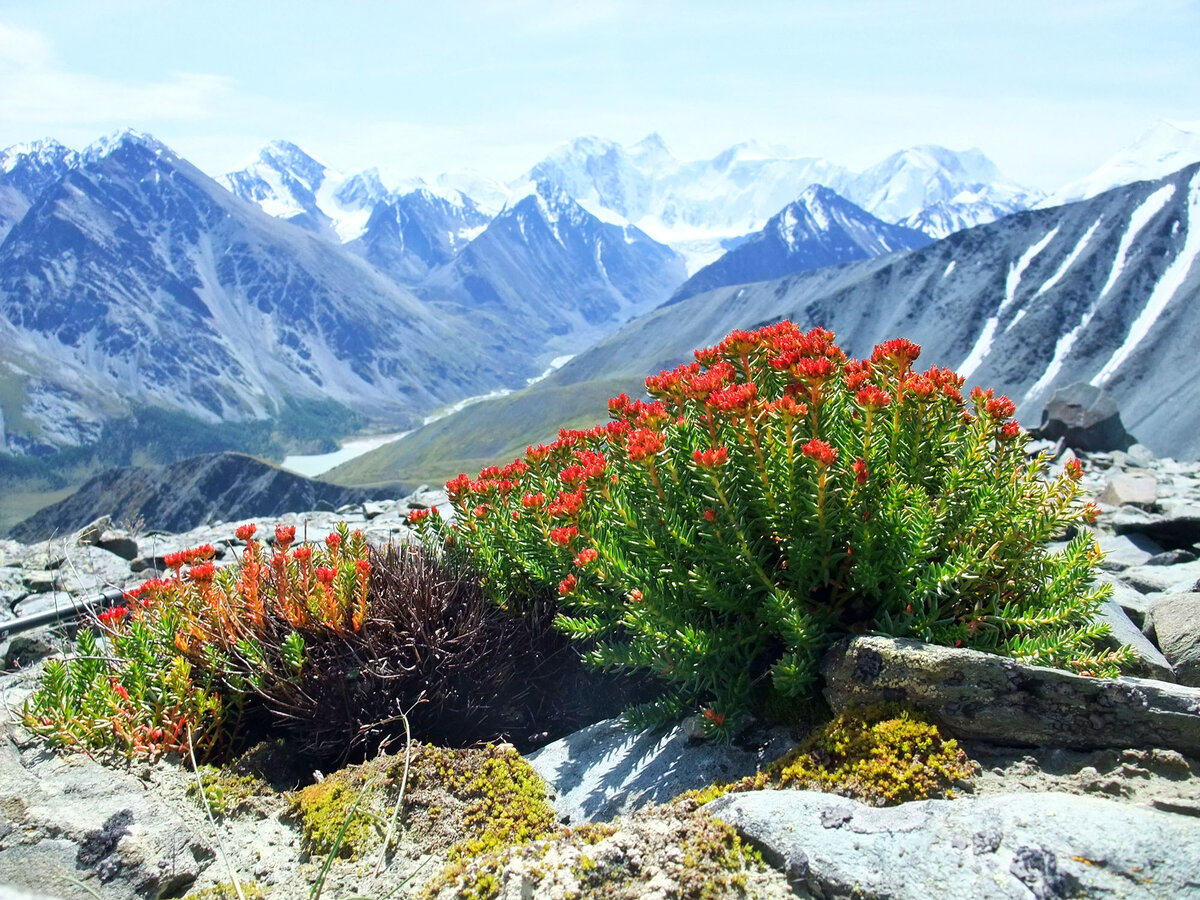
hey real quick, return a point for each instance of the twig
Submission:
(387, 838)
(212, 820)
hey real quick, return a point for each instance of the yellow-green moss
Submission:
(880, 755)
(464, 802)
(227, 793)
(683, 852)
(226, 891)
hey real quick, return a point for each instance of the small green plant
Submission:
(192, 650)
(774, 496)
(879, 755)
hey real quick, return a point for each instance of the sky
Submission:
(1048, 89)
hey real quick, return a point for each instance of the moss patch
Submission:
(229, 793)
(879, 755)
(457, 802)
(226, 891)
(672, 851)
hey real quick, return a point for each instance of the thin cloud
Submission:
(37, 89)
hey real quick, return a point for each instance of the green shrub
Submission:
(773, 497)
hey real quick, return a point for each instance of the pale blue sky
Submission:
(1048, 89)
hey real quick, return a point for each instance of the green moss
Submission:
(880, 755)
(325, 807)
(681, 852)
(227, 793)
(226, 891)
(463, 802)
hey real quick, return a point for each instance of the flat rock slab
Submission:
(603, 770)
(994, 698)
(1005, 846)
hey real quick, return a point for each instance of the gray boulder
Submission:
(603, 771)
(1043, 846)
(1174, 621)
(1131, 489)
(1086, 418)
(994, 698)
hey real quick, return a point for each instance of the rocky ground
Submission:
(1109, 805)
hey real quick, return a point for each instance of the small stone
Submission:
(1175, 620)
(119, 543)
(1139, 455)
(91, 533)
(1171, 558)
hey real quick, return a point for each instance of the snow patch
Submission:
(981, 348)
(1149, 208)
(1170, 282)
(1017, 269)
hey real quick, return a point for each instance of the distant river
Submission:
(320, 463)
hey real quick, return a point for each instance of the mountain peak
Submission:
(42, 151)
(122, 139)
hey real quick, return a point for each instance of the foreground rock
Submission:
(1043, 846)
(183, 495)
(603, 771)
(994, 698)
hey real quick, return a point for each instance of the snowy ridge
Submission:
(1167, 147)
(1168, 284)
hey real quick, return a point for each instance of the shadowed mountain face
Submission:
(547, 274)
(135, 278)
(222, 487)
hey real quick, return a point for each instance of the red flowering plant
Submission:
(187, 652)
(774, 495)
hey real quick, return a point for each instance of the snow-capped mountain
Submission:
(1165, 148)
(819, 229)
(287, 183)
(409, 235)
(136, 279)
(547, 276)
(26, 171)
(1105, 290)
(697, 206)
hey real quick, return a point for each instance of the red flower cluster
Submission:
(246, 532)
(113, 616)
(416, 516)
(564, 535)
(190, 556)
(325, 575)
(585, 556)
(898, 352)
(872, 397)
(861, 472)
(567, 584)
(1074, 468)
(711, 459)
(820, 452)
(567, 504)
(644, 443)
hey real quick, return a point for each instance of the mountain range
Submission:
(1104, 290)
(130, 282)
